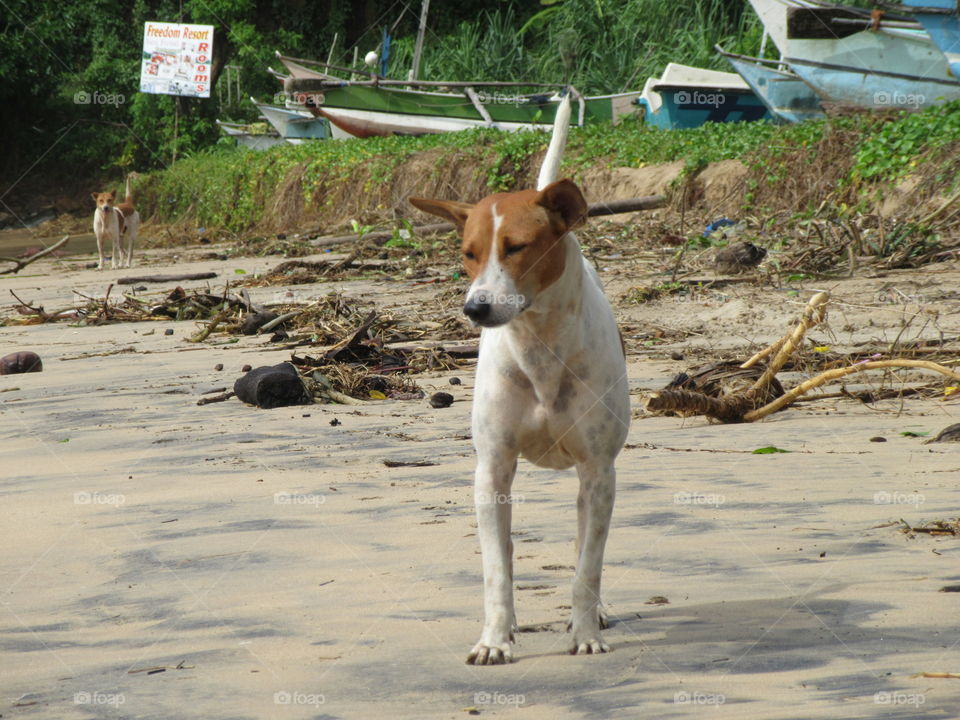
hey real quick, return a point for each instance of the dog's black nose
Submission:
(477, 310)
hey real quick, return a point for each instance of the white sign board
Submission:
(176, 59)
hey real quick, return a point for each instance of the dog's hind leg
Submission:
(132, 229)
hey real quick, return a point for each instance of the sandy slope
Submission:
(292, 575)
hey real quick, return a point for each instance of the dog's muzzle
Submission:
(486, 310)
(479, 311)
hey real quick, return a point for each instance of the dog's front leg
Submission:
(100, 261)
(494, 478)
(594, 510)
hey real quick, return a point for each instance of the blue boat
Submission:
(852, 59)
(939, 18)
(687, 97)
(294, 126)
(787, 97)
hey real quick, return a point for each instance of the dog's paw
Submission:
(483, 654)
(590, 647)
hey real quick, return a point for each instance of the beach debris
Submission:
(934, 528)
(441, 400)
(272, 386)
(253, 321)
(721, 379)
(753, 403)
(717, 225)
(20, 263)
(951, 433)
(204, 332)
(216, 398)
(408, 463)
(738, 257)
(456, 381)
(165, 278)
(24, 361)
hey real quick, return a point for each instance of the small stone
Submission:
(168, 331)
(441, 400)
(456, 381)
(676, 355)
(335, 422)
(218, 367)
(246, 368)
(878, 438)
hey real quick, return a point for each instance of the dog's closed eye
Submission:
(469, 255)
(513, 249)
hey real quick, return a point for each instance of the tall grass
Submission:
(600, 46)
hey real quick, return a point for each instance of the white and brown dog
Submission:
(551, 382)
(112, 224)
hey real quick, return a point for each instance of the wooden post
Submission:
(418, 48)
(176, 127)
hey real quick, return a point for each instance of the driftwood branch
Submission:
(825, 377)
(211, 325)
(813, 314)
(613, 207)
(20, 264)
(746, 406)
(165, 278)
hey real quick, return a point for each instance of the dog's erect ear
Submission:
(455, 212)
(95, 196)
(565, 199)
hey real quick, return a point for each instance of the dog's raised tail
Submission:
(551, 161)
(128, 190)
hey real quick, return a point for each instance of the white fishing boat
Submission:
(852, 57)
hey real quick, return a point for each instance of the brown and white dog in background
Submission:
(113, 223)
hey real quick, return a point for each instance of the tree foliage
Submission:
(69, 97)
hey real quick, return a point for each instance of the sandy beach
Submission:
(168, 560)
